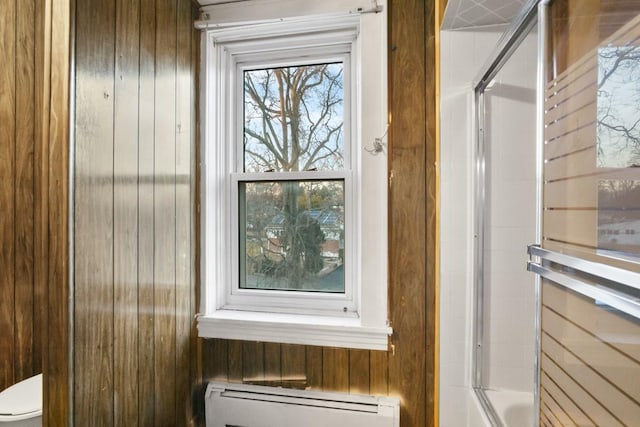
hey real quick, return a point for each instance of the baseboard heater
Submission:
(240, 405)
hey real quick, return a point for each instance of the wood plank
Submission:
(125, 211)
(43, 116)
(431, 212)
(359, 371)
(293, 365)
(57, 407)
(335, 369)
(146, 240)
(25, 329)
(379, 373)
(41, 171)
(252, 362)
(235, 361)
(185, 106)
(164, 213)
(94, 133)
(314, 367)
(215, 353)
(272, 364)
(407, 218)
(7, 189)
(197, 365)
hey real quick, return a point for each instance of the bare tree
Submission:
(618, 115)
(293, 121)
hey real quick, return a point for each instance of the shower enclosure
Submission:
(558, 167)
(506, 209)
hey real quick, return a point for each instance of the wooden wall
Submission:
(129, 347)
(408, 371)
(134, 352)
(34, 99)
(21, 286)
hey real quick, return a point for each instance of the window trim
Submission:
(366, 326)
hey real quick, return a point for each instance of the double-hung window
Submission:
(293, 202)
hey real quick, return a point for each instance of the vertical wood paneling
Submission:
(185, 108)
(408, 192)
(272, 364)
(165, 213)
(94, 213)
(252, 362)
(234, 368)
(7, 189)
(315, 367)
(24, 191)
(293, 365)
(57, 339)
(146, 136)
(215, 353)
(379, 373)
(431, 211)
(125, 213)
(335, 369)
(41, 175)
(134, 291)
(359, 369)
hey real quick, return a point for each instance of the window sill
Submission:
(293, 329)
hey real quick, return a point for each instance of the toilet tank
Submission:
(21, 404)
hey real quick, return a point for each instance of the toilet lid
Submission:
(22, 398)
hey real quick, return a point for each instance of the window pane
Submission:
(294, 118)
(292, 235)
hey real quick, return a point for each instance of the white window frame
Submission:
(357, 318)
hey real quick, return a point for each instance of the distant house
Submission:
(331, 222)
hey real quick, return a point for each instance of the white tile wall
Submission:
(463, 53)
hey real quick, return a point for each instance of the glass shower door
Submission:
(506, 206)
(590, 254)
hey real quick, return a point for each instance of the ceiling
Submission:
(479, 13)
(459, 13)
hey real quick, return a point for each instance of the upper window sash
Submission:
(303, 57)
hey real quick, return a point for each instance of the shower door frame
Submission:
(534, 11)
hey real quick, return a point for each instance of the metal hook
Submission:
(378, 145)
